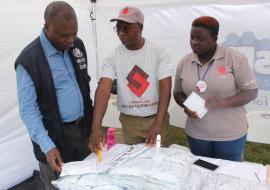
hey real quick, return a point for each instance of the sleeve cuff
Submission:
(46, 147)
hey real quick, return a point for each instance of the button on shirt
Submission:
(68, 94)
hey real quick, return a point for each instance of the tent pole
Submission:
(93, 20)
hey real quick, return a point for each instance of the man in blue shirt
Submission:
(54, 92)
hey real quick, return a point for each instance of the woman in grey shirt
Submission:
(223, 78)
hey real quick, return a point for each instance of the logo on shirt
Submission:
(257, 52)
(77, 53)
(221, 70)
(137, 81)
(80, 58)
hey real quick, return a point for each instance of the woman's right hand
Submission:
(190, 113)
(96, 139)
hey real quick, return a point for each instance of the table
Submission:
(140, 167)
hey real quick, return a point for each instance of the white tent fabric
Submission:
(167, 22)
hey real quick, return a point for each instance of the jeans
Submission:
(228, 150)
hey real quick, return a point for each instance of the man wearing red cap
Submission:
(143, 72)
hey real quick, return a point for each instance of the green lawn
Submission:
(254, 152)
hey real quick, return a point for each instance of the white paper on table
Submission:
(78, 168)
(196, 103)
(245, 170)
(138, 167)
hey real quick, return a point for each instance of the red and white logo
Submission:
(137, 81)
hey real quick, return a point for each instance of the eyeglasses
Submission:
(123, 28)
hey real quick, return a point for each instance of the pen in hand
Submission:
(99, 154)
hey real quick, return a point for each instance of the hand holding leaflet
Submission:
(196, 103)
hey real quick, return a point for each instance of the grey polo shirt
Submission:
(226, 74)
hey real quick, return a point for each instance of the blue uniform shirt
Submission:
(68, 94)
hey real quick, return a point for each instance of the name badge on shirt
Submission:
(201, 86)
(80, 58)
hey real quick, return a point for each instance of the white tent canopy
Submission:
(243, 25)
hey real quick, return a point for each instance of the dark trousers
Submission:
(74, 147)
(47, 175)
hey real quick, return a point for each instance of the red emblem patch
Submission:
(222, 70)
(125, 11)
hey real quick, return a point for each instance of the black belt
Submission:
(140, 116)
(76, 122)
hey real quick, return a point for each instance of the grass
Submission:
(254, 152)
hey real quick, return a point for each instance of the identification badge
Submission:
(201, 86)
